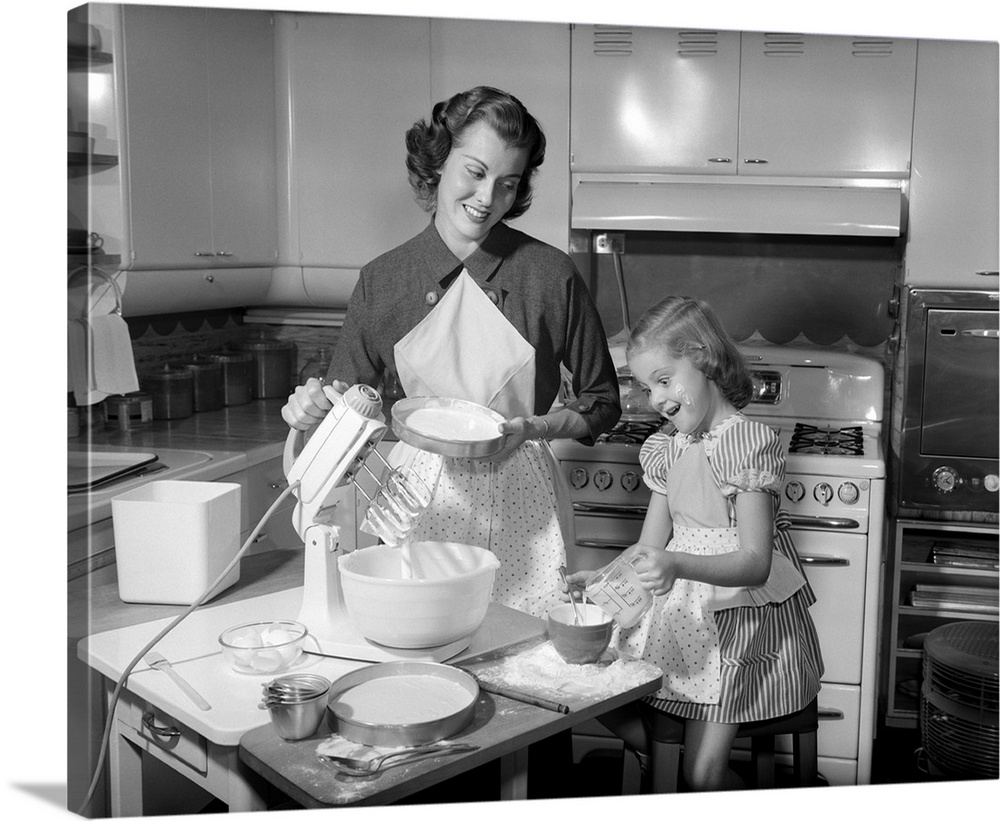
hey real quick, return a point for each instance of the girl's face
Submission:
(478, 186)
(678, 391)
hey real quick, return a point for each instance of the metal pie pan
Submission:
(472, 428)
(409, 734)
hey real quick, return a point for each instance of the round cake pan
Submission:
(405, 733)
(448, 427)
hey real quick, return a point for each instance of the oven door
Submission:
(602, 535)
(836, 566)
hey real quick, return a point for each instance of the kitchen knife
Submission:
(158, 662)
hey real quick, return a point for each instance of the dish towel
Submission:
(100, 358)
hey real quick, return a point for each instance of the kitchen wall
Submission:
(813, 291)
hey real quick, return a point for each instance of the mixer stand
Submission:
(331, 632)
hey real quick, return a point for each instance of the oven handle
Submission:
(626, 510)
(989, 333)
(832, 522)
(824, 561)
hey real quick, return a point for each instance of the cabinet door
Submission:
(954, 214)
(532, 62)
(169, 204)
(652, 99)
(356, 84)
(199, 103)
(818, 105)
(242, 117)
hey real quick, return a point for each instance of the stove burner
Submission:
(830, 441)
(631, 432)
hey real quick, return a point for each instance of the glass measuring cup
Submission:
(616, 589)
(396, 506)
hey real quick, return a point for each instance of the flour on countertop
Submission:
(542, 668)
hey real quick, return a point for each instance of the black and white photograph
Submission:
(569, 409)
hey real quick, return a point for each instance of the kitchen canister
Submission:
(172, 389)
(237, 375)
(208, 383)
(274, 366)
(128, 411)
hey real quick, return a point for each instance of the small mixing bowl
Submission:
(581, 643)
(263, 646)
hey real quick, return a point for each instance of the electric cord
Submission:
(109, 722)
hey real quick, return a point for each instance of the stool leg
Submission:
(805, 754)
(762, 753)
(664, 766)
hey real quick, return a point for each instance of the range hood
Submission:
(654, 202)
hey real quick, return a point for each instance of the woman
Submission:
(473, 309)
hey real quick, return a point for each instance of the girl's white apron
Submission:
(519, 508)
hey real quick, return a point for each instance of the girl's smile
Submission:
(680, 392)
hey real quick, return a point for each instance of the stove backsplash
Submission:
(830, 292)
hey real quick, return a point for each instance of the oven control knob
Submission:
(795, 491)
(992, 482)
(945, 479)
(578, 477)
(848, 493)
(602, 479)
(630, 480)
(823, 493)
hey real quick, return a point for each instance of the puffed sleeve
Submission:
(749, 456)
(656, 455)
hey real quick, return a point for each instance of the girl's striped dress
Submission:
(728, 654)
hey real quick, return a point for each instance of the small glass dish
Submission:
(263, 647)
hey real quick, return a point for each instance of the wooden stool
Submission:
(665, 736)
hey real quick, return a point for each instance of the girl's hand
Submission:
(655, 567)
(577, 582)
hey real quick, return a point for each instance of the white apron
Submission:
(519, 508)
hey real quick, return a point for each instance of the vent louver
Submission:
(698, 43)
(782, 44)
(612, 41)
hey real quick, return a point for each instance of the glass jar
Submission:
(316, 366)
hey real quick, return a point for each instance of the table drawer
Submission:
(151, 727)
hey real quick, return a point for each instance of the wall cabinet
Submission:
(924, 590)
(199, 125)
(715, 102)
(954, 226)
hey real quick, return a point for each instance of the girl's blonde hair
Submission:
(689, 328)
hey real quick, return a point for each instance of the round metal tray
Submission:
(472, 430)
(409, 734)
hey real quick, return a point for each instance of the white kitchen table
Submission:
(154, 717)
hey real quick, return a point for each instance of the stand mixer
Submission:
(324, 469)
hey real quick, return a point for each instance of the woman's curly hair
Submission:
(689, 328)
(428, 144)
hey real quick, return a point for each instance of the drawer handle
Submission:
(149, 722)
(824, 561)
(829, 714)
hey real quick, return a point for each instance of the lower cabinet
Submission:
(932, 581)
(261, 485)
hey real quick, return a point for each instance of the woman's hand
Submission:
(515, 432)
(309, 404)
(655, 567)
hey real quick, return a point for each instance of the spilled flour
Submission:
(542, 670)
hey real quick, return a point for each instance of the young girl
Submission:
(729, 625)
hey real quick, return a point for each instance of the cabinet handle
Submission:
(824, 561)
(829, 714)
(209, 278)
(755, 162)
(149, 722)
(987, 273)
(719, 159)
(204, 254)
(223, 254)
(988, 333)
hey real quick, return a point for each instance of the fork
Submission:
(372, 766)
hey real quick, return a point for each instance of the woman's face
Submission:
(478, 186)
(678, 391)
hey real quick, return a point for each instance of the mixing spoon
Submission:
(576, 613)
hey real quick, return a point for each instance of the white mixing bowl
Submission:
(444, 600)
